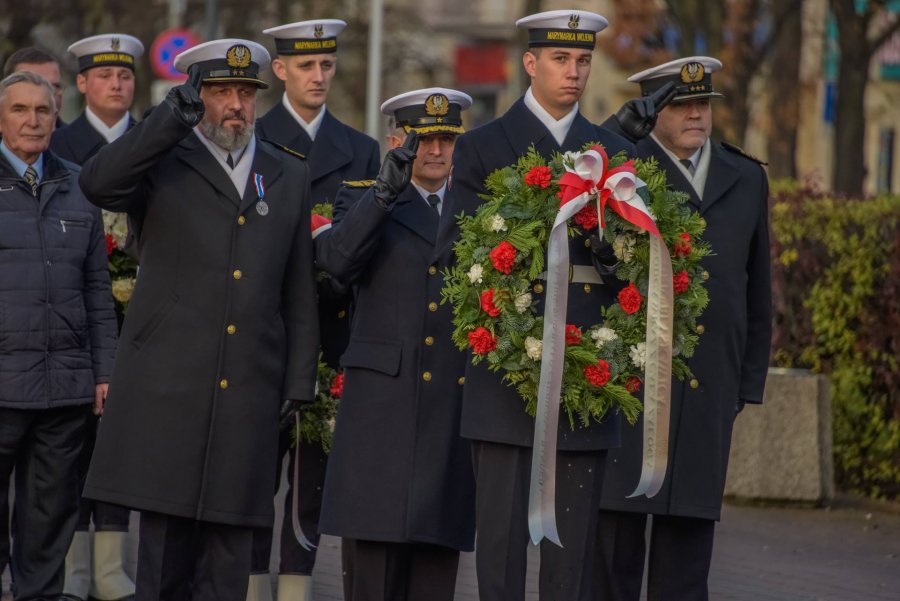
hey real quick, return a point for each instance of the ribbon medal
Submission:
(262, 207)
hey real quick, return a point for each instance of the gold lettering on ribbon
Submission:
(314, 44)
(113, 57)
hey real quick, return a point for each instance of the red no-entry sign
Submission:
(167, 45)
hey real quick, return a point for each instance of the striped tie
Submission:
(31, 178)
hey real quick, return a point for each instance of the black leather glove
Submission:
(604, 258)
(286, 417)
(185, 98)
(396, 171)
(637, 117)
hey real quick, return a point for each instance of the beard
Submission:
(229, 138)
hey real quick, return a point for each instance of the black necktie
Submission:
(31, 178)
(433, 201)
(689, 165)
(230, 161)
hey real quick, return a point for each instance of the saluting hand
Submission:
(396, 171)
(637, 117)
(185, 98)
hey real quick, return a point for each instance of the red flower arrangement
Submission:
(539, 177)
(482, 341)
(337, 386)
(630, 299)
(633, 384)
(573, 334)
(503, 256)
(683, 245)
(681, 281)
(587, 217)
(598, 374)
(487, 303)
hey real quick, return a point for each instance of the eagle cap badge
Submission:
(692, 72)
(574, 21)
(437, 104)
(238, 57)
(115, 44)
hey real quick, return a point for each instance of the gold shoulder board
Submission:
(742, 152)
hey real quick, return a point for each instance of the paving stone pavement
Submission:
(849, 552)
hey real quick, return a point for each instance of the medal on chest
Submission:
(262, 207)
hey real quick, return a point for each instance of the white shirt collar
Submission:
(110, 133)
(243, 158)
(559, 129)
(700, 160)
(424, 194)
(312, 128)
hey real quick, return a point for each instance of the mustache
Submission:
(240, 115)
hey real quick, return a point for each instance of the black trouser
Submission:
(380, 571)
(678, 564)
(4, 531)
(294, 558)
(503, 475)
(43, 446)
(106, 517)
(181, 559)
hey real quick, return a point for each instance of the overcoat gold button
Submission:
(461, 381)
(432, 270)
(426, 376)
(237, 274)
(342, 314)
(538, 288)
(429, 340)
(700, 328)
(231, 329)
(223, 384)
(587, 288)
(432, 306)
(242, 220)
(587, 242)
(694, 383)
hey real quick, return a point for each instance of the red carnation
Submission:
(482, 341)
(681, 282)
(539, 177)
(110, 244)
(630, 299)
(573, 335)
(587, 217)
(633, 384)
(597, 375)
(337, 386)
(487, 303)
(503, 256)
(683, 245)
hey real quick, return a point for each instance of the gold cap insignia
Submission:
(574, 21)
(437, 104)
(238, 57)
(692, 73)
(115, 44)
(319, 30)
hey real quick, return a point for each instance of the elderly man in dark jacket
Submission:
(57, 332)
(221, 328)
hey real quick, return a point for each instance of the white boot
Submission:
(109, 578)
(78, 566)
(260, 588)
(294, 587)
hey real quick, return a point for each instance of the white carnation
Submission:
(623, 246)
(533, 348)
(603, 335)
(116, 225)
(476, 273)
(498, 224)
(522, 302)
(638, 354)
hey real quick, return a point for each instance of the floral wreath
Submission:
(122, 266)
(317, 418)
(502, 251)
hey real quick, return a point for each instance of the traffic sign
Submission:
(167, 45)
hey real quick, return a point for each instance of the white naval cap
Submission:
(563, 28)
(307, 37)
(107, 50)
(227, 61)
(429, 111)
(692, 77)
